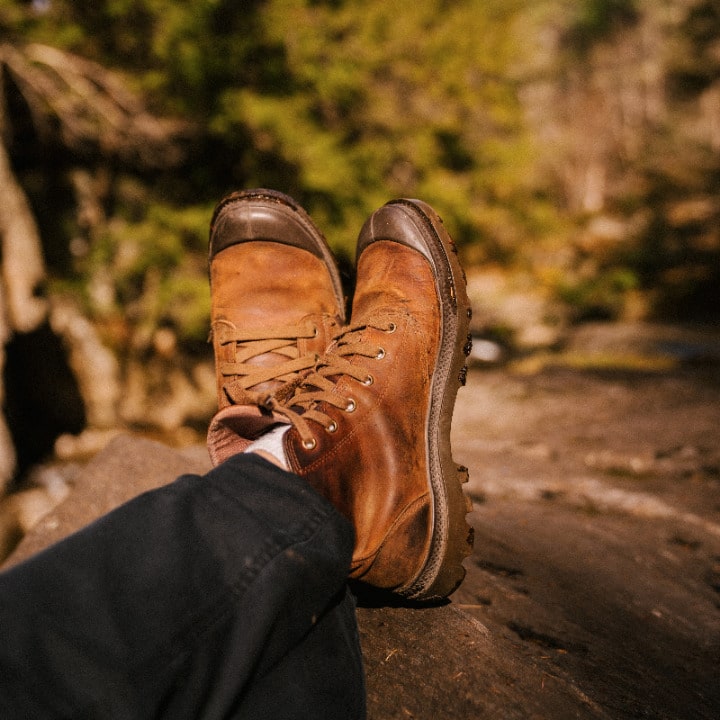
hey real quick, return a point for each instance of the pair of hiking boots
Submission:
(368, 401)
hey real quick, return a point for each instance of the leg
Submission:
(196, 600)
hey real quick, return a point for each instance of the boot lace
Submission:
(282, 341)
(320, 385)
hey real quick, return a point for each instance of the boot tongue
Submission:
(234, 348)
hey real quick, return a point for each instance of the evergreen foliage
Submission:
(523, 121)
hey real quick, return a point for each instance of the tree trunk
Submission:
(23, 268)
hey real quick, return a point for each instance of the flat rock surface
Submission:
(594, 587)
(597, 521)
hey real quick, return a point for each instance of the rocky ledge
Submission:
(594, 588)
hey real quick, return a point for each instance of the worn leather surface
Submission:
(261, 285)
(374, 467)
(271, 275)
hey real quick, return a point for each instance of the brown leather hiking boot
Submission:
(277, 301)
(372, 423)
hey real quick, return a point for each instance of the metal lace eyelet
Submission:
(309, 444)
(369, 380)
(380, 354)
(392, 327)
(350, 407)
(332, 427)
(315, 331)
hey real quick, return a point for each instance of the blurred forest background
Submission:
(572, 147)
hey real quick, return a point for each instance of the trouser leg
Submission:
(203, 599)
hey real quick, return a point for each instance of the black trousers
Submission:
(222, 596)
